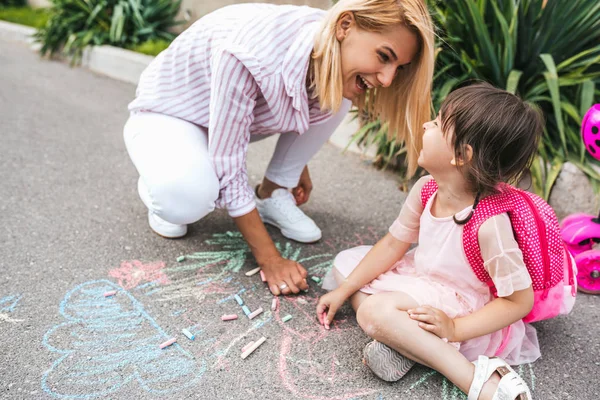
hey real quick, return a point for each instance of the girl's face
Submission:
(437, 152)
(372, 59)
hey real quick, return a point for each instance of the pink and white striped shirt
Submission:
(238, 71)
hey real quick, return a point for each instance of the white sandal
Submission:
(511, 386)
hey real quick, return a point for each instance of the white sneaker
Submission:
(164, 228)
(280, 210)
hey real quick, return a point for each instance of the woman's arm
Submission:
(277, 269)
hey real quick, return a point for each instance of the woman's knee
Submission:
(184, 200)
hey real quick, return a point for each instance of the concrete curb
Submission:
(127, 65)
(16, 32)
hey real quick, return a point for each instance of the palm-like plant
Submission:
(547, 53)
(75, 24)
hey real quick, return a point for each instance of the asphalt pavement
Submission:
(73, 228)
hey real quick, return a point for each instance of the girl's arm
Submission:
(494, 316)
(378, 260)
(393, 246)
(503, 261)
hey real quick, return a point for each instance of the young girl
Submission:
(427, 303)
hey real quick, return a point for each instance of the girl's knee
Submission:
(376, 312)
(372, 315)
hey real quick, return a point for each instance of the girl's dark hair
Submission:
(503, 131)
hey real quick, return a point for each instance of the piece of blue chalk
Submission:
(246, 310)
(239, 300)
(188, 334)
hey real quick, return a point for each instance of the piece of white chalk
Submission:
(247, 346)
(110, 293)
(168, 343)
(239, 300)
(274, 304)
(189, 334)
(255, 313)
(262, 276)
(228, 317)
(253, 347)
(253, 271)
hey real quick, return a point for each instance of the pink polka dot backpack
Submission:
(582, 231)
(537, 233)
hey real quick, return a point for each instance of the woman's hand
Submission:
(435, 321)
(284, 276)
(302, 191)
(328, 306)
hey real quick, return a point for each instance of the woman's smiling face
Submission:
(372, 59)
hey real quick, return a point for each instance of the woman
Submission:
(248, 71)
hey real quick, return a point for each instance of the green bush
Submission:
(75, 24)
(12, 3)
(36, 18)
(151, 47)
(548, 55)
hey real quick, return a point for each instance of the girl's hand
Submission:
(302, 191)
(328, 306)
(435, 321)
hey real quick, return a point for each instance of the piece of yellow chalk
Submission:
(228, 317)
(253, 347)
(255, 313)
(247, 346)
(168, 343)
(253, 271)
(110, 293)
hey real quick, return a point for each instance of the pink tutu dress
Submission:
(437, 273)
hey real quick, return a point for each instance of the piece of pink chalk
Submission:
(246, 347)
(228, 317)
(168, 343)
(110, 293)
(262, 276)
(255, 313)
(274, 304)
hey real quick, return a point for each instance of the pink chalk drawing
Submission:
(307, 363)
(132, 273)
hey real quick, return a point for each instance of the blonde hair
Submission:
(406, 104)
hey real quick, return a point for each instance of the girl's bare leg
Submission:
(383, 317)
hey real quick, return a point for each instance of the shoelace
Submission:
(287, 206)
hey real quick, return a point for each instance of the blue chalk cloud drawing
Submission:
(107, 343)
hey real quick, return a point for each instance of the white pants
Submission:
(177, 180)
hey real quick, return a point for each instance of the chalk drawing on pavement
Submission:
(8, 305)
(107, 343)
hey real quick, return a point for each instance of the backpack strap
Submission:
(427, 191)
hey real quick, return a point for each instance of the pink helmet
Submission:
(590, 131)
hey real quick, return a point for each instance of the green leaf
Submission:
(552, 81)
(512, 83)
(587, 96)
